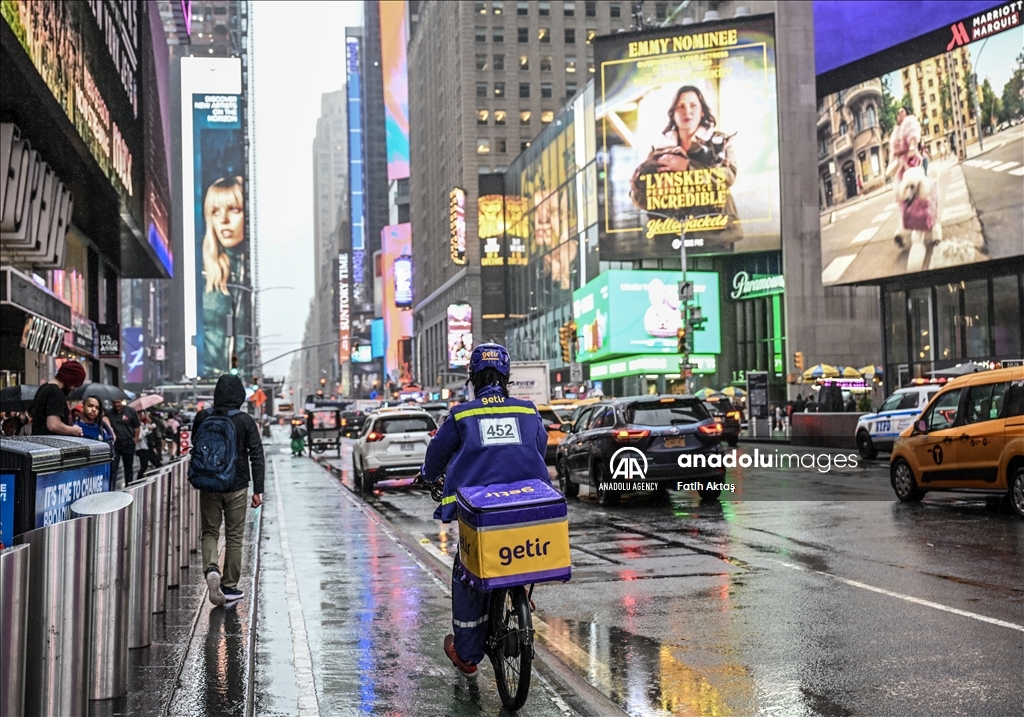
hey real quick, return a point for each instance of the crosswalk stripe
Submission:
(1004, 166)
(1017, 172)
(836, 268)
(890, 206)
(954, 193)
(881, 217)
(864, 235)
(957, 210)
(992, 163)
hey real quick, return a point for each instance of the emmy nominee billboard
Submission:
(687, 138)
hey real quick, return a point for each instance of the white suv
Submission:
(393, 444)
(877, 431)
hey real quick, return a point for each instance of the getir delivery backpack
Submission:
(214, 454)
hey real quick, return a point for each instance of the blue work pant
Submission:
(469, 617)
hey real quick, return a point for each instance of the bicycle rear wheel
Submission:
(510, 640)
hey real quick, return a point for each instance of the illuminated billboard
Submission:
(393, 42)
(490, 227)
(403, 282)
(344, 308)
(87, 54)
(687, 137)
(646, 314)
(460, 335)
(457, 225)
(396, 246)
(216, 248)
(919, 167)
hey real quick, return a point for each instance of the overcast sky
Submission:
(299, 53)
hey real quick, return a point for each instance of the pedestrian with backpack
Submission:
(225, 444)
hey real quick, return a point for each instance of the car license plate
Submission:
(675, 443)
(408, 447)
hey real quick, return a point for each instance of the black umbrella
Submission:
(17, 398)
(102, 391)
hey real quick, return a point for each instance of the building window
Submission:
(499, 89)
(481, 8)
(524, 117)
(570, 36)
(524, 89)
(590, 9)
(524, 145)
(524, 62)
(870, 115)
(522, 8)
(545, 90)
(856, 121)
(481, 116)
(935, 112)
(545, 63)
(481, 62)
(523, 33)
(499, 117)
(480, 34)
(591, 34)
(481, 89)
(931, 97)
(544, 34)
(502, 146)
(483, 145)
(499, 62)
(615, 10)
(497, 7)
(570, 63)
(842, 128)
(569, 8)
(546, 116)
(498, 34)
(660, 11)
(931, 82)
(543, 9)
(570, 89)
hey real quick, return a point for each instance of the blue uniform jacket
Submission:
(491, 439)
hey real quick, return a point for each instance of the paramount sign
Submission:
(746, 287)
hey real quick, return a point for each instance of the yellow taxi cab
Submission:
(970, 437)
(553, 426)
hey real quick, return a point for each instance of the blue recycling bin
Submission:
(41, 476)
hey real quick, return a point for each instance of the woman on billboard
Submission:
(690, 143)
(225, 265)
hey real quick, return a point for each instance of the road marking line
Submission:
(890, 206)
(302, 659)
(836, 268)
(957, 210)
(991, 163)
(1016, 172)
(865, 235)
(1004, 166)
(908, 598)
(880, 218)
(953, 193)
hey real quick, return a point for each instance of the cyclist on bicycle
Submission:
(491, 439)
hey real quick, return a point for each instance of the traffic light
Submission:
(683, 340)
(798, 360)
(566, 338)
(234, 364)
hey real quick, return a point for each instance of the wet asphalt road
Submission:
(769, 607)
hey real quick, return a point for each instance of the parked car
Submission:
(553, 426)
(662, 428)
(352, 423)
(393, 444)
(877, 430)
(731, 418)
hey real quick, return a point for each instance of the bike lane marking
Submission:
(302, 659)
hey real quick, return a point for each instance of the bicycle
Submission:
(509, 644)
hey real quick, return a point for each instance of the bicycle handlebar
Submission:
(436, 488)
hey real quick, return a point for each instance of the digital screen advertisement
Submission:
(646, 314)
(133, 352)
(460, 335)
(396, 248)
(919, 167)
(687, 136)
(393, 42)
(344, 308)
(490, 227)
(403, 282)
(457, 224)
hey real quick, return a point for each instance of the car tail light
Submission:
(432, 433)
(628, 435)
(733, 414)
(712, 429)
(373, 437)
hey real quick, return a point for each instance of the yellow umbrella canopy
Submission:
(822, 370)
(733, 392)
(850, 372)
(870, 371)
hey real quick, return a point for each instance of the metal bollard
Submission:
(197, 516)
(57, 653)
(185, 556)
(108, 580)
(140, 564)
(173, 528)
(159, 543)
(13, 627)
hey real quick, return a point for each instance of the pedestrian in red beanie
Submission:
(50, 413)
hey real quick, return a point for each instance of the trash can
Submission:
(108, 582)
(13, 628)
(140, 563)
(46, 474)
(59, 618)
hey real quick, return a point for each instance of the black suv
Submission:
(661, 429)
(730, 417)
(352, 423)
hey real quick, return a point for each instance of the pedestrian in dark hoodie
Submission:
(229, 395)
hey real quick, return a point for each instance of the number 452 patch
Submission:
(499, 431)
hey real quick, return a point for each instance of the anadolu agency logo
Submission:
(629, 470)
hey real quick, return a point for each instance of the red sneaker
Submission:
(468, 669)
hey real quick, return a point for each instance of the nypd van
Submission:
(877, 431)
